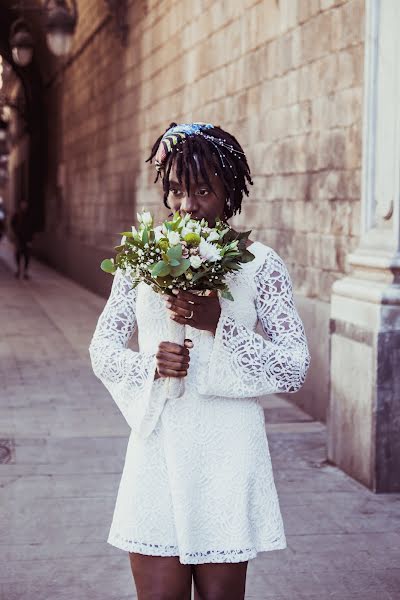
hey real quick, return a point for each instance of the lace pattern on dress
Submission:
(209, 556)
(245, 364)
(127, 375)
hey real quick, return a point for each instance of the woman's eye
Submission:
(205, 192)
(175, 192)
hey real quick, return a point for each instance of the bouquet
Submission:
(182, 253)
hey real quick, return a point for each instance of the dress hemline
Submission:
(210, 556)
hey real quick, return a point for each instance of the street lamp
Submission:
(21, 43)
(60, 25)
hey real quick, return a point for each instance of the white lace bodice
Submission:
(236, 363)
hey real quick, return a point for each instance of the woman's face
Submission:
(202, 202)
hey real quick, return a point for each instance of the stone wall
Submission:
(284, 76)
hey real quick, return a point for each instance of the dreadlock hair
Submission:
(232, 168)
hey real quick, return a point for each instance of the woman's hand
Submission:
(206, 310)
(172, 359)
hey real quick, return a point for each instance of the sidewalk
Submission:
(62, 447)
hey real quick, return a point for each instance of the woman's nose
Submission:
(189, 203)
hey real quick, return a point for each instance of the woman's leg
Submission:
(160, 577)
(220, 581)
(17, 255)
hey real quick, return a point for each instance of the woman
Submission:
(197, 496)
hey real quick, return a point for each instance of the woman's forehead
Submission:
(206, 165)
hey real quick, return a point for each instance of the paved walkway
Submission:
(62, 446)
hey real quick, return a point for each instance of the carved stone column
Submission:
(364, 412)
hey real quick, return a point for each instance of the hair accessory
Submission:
(175, 135)
(178, 133)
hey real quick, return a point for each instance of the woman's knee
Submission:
(220, 581)
(161, 577)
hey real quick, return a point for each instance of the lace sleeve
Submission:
(243, 363)
(127, 375)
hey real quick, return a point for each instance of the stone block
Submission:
(304, 83)
(285, 53)
(232, 39)
(316, 37)
(348, 24)
(287, 15)
(324, 75)
(350, 67)
(306, 9)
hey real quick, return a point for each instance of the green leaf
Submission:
(175, 252)
(173, 262)
(108, 265)
(160, 269)
(176, 271)
(226, 294)
(247, 256)
(127, 234)
(197, 276)
(232, 265)
(145, 236)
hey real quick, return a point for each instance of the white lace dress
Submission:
(197, 480)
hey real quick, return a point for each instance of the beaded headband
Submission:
(179, 133)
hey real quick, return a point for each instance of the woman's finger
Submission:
(172, 347)
(178, 303)
(165, 372)
(173, 358)
(183, 312)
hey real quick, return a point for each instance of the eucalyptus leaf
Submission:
(175, 252)
(174, 262)
(108, 266)
(160, 269)
(176, 271)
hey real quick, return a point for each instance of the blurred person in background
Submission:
(22, 232)
(2, 218)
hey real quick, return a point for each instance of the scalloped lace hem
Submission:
(185, 558)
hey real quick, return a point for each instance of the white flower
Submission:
(195, 261)
(173, 238)
(145, 218)
(123, 239)
(134, 230)
(185, 218)
(158, 233)
(185, 231)
(213, 236)
(209, 251)
(193, 226)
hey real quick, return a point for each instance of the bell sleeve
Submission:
(242, 363)
(127, 375)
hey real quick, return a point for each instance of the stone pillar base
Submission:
(364, 413)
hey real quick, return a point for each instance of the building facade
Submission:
(287, 78)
